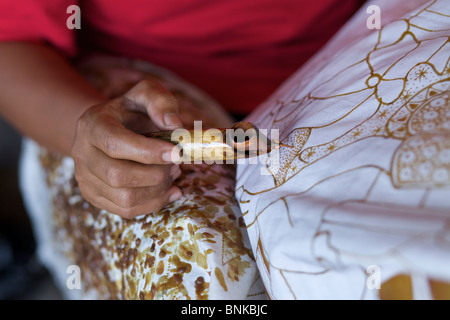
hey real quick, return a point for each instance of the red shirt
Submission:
(238, 51)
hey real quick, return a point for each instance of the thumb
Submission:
(158, 102)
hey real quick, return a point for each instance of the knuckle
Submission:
(79, 155)
(82, 123)
(115, 177)
(86, 195)
(127, 198)
(76, 156)
(129, 213)
(80, 179)
(146, 84)
(143, 86)
(85, 122)
(109, 144)
(134, 181)
(164, 97)
(77, 150)
(126, 213)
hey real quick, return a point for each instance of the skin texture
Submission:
(117, 169)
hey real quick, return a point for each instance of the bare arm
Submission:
(121, 171)
(42, 95)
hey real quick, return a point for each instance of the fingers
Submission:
(129, 174)
(160, 104)
(126, 203)
(104, 130)
(123, 198)
(124, 187)
(122, 171)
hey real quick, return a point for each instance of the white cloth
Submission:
(363, 190)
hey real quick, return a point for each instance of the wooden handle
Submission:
(242, 140)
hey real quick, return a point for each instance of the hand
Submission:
(120, 170)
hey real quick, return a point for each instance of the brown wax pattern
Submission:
(149, 257)
(171, 254)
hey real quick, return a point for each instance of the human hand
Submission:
(116, 168)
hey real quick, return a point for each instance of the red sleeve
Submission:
(41, 21)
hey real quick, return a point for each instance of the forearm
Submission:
(42, 95)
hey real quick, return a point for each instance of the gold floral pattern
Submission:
(364, 171)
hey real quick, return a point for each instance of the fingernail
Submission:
(171, 156)
(172, 120)
(175, 196)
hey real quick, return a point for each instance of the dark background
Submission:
(21, 274)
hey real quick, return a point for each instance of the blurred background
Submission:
(21, 274)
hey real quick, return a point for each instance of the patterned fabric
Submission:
(194, 248)
(361, 186)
